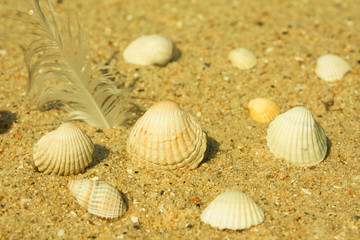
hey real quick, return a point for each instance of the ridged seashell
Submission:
(233, 210)
(242, 58)
(263, 110)
(99, 198)
(65, 151)
(165, 137)
(331, 67)
(151, 50)
(296, 137)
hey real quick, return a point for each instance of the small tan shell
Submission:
(233, 210)
(151, 50)
(99, 198)
(242, 58)
(263, 110)
(331, 67)
(165, 137)
(65, 151)
(296, 137)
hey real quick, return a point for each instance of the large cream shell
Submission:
(165, 137)
(242, 58)
(65, 151)
(233, 210)
(296, 137)
(331, 67)
(99, 198)
(151, 50)
(263, 110)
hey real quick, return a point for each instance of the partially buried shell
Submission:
(263, 110)
(242, 58)
(99, 198)
(165, 137)
(151, 50)
(65, 151)
(331, 67)
(233, 210)
(296, 137)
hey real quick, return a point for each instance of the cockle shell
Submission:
(263, 110)
(65, 151)
(151, 50)
(233, 210)
(296, 137)
(165, 137)
(99, 198)
(242, 58)
(331, 67)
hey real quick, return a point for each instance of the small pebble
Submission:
(306, 191)
(134, 219)
(61, 232)
(25, 200)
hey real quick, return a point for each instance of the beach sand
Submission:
(320, 202)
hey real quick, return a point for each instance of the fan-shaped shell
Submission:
(165, 137)
(242, 58)
(151, 50)
(99, 198)
(233, 210)
(296, 137)
(263, 110)
(331, 67)
(65, 151)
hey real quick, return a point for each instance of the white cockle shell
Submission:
(331, 67)
(99, 198)
(242, 58)
(296, 137)
(165, 137)
(151, 50)
(263, 110)
(233, 210)
(65, 151)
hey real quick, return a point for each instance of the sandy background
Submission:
(320, 202)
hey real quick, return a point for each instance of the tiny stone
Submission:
(198, 114)
(95, 178)
(306, 191)
(73, 213)
(2, 52)
(226, 78)
(134, 219)
(61, 232)
(25, 200)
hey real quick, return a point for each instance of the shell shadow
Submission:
(126, 199)
(212, 148)
(176, 54)
(329, 145)
(99, 154)
(6, 120)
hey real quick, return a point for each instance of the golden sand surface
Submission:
(320, 202)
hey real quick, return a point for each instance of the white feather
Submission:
(59, 70)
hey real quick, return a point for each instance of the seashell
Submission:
(233, 210)
(165, 137)
(151, 50)
(297, 137)
(99, 197)
(65, 151)
(331, 67)
(263, 110)
(242, 58)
